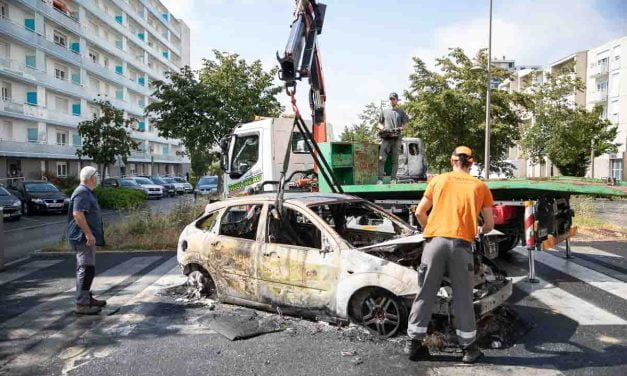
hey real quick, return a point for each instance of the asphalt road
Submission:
(612, 211)
(31, 233)
(574, 323)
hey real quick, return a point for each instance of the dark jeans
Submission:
(387, 147)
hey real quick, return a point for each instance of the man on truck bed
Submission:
(391, 122)
(457, 199)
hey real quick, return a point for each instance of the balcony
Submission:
(21, 110)
(598, 97)
(599, 70)
(141, 156)
(24, 149)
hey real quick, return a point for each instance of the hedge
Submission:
(120, 198)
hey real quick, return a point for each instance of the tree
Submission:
(106, 137)
(562, 131)
(447, 109)
(201, 107)
(366, 130)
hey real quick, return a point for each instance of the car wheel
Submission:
(379, 311)
(200, 284)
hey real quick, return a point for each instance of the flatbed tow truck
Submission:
(278, 154)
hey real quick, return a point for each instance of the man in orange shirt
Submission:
(455, 199)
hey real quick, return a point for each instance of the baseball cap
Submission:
(462, 150)
(393, 95)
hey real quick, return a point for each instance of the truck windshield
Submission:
(245, 153)
(360, 223)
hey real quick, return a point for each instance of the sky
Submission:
(367, 46)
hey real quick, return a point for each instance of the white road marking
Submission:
(589, 276)
(567, 304)
(43, 315)
(26, 269)
(489, 370)
(53, 343)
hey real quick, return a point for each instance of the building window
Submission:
(61, 105)
(61, 169)
(60, 72)
(29, 24)
(31, 62)
(4, 10)
(32, 135)
(7, 130)
(93, 57)
(616, 168)
(6, 91)
(61, 139)
(60, 39)
(76, 140)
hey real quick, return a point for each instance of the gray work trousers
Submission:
(85, 271)
(453, 256)
(387, 147)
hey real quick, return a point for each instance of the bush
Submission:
(120, 198)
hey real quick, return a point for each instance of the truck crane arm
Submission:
(301, 59)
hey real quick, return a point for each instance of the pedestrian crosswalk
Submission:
(48, 328)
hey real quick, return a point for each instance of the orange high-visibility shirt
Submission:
(457, 201)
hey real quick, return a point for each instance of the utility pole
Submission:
(488, 98)
(592, 159)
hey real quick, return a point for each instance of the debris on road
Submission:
(236, 327)
(348, 353)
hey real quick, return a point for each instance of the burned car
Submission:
(333, 257)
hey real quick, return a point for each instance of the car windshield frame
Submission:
(50, 186)
(130, 183)
(143, 181)
(400, 228)
(213, 180)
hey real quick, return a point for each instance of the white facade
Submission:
(58, 56)
(607, 87)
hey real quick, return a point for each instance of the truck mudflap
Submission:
(481, 306)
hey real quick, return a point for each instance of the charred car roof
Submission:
(306, 198)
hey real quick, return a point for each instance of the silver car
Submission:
(153, 190)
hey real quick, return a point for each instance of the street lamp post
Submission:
(488, 98)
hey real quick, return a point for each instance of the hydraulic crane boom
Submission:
(301, 59)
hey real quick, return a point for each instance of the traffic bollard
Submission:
(531, 241)
(568, 254)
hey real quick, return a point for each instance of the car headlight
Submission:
(37, 201)
(17, 203)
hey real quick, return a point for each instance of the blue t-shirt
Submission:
(84, 200)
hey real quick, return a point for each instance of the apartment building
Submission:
(607, 86)
(58, 56)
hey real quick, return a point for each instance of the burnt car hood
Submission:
(390, 245)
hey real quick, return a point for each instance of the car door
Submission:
(235, 249)
(298, 266)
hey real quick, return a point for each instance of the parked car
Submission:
(207, 186)
(127, 183)
(178, 187)
(188, 187)
(168, 188)
(11, 205)
(153, 190)
(332, 256)
(40, 196)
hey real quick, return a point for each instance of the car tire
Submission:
(200, 284)
(379, 311)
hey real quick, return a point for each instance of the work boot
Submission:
(86, 309)
(96, 302)
(471, 353)
(416, 350)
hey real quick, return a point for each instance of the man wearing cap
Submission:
(455, 199)
(85, 232)
(391, 122)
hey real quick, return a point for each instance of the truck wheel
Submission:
(509, 243)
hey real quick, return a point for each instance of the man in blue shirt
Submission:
(85, 232)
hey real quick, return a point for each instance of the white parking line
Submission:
(589, 276)
(25, 270)
(567, 304)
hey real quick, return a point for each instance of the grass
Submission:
(143, 230)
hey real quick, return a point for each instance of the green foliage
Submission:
(120, 198)
(63, 183)
(562, 131)
(447, 109)
(106, 137)
(201, 107)
(366, 130)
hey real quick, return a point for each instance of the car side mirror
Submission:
(243, 167)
